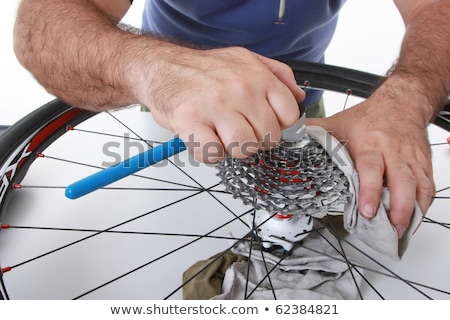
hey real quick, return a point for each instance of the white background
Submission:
(368, 39)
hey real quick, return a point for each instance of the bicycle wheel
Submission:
(135, 238)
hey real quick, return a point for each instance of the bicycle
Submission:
(137, 244)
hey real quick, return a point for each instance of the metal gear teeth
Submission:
(287, 180)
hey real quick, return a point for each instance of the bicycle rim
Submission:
(135, 238)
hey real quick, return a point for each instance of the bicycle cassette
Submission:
(301, 178)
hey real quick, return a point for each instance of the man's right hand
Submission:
(226, 100)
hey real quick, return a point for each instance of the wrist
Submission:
(161, 72)
(423, 99)
(148, 63)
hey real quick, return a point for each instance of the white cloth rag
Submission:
(377, 233)
(313, 270)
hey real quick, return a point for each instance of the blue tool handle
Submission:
(124, 169)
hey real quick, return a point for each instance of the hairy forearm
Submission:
(77, 52)
(424, 62)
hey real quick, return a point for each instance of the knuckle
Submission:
(366, 164)
(427, 188)
(240, 88)
(406, 178)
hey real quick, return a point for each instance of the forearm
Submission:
(77, 52)
(423, 68)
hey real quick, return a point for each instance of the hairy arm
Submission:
(386, 134)
(414, 92)
(425, 53)
(77, 52)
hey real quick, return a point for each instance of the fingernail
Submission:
(368, 211)
(400, 230)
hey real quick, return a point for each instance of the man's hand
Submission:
(387, 140)
(386, 133)
(225, 100)
(221, 100)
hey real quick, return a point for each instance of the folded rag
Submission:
(377, 233)
(313, 270)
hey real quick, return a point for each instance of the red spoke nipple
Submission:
(7, 269)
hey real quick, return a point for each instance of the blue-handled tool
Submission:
(124, 169)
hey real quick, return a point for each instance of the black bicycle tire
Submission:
(335, 78)
(340, 79)
(40, 128)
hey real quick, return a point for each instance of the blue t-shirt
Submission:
(282, 29)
